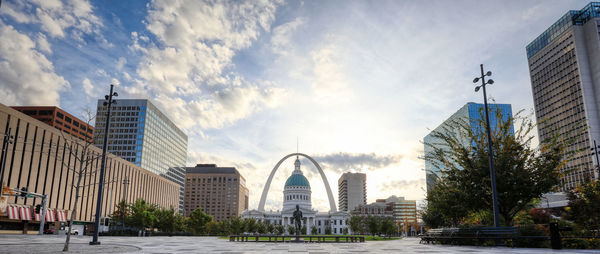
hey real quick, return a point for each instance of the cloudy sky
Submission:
(358, 83)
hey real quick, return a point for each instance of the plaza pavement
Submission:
(53, 244)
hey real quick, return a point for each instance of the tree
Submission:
(291, 229)
(142, 215)
(345, 231)
(314, 230)
(387, 227)
(373, 224)
(464, 186)
(82, 166)
(328, 229)
(250, 225)
(303, 230)
(168, 220)
(279, 229)
(197, 221)
(236, 226)
(270, 228)
(356, 224)
(584, 205)
(261, 227)
(214, 227)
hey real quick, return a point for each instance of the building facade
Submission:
(60, 119)
(352, 191)
(473, 113)
(220, 191)
(564, 67)
(142, 134)
(42, 160)
(379, 208)
(297, 191)
(403, 210)
(177, 175)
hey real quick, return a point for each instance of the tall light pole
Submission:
(489, 137)
(124, 207)
(109, 101)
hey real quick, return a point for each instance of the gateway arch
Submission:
(263, 197)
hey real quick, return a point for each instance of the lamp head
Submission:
(477, 88)
(475, 80)
(490, 81)
(489, 73)
(106, 97)
(115, 94)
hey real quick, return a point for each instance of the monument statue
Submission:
(298, 220)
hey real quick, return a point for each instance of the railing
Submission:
(292, 238)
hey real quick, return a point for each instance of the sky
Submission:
(354, 84)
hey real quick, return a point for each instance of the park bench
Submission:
(462, 235)
(306, 238)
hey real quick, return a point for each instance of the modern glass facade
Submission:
(564, 66)
(571, 18)
(473, 113)
(142, 134)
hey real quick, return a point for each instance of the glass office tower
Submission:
(564, 66)
(142, 134)
(471, 112)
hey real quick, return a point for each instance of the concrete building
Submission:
(564, 66)
(379, 208)
(41, 159)
(60, 119)
(403, 210)
(177, 175)
(352, 191)
(297, 191)
(220, 191)
(142, 134)
(473, 114)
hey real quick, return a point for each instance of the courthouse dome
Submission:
(297, 180)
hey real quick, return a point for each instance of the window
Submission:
(75, 123)
(45, 112)
(59, 115)
(30, 112)
(68, 119)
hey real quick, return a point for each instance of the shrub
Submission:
(531, 230)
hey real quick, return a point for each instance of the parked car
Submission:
(73, 231)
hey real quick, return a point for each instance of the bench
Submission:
(461, 235)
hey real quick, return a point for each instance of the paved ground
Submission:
(53, 244)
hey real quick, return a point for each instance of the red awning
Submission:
(50, 215)
(13, 212)
(38, 216)
(62, 216)
(25, 213)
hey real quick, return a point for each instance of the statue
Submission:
(298, 219)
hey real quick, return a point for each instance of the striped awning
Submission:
(13, 212)
(61, 216)
(50, 215)
(25, 213)
(38, 216)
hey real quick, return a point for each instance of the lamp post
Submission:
(595, 152)
(489, 137)
(109, 101)
(123, 208)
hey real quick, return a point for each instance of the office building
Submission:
(40, 159)
(177, 175)
(564, 67)
(379, 208)
(142, 134)
(471, 112)
(61, 120)
(397, 208)
(352, 191)
(220, 191)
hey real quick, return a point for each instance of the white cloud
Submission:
(88, 88)
(281, 38)
(26, 75)
(186, 71)
(120, 63)
(329, 81)
(42, 43)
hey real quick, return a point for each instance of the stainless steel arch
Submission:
(263, 197)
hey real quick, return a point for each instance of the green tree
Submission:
(303, 230)
(270, 228)
(373, 224)
(313, 230)
(214, 228)
(291, 229)
(356, 224)
(345, 231)
(168, 220)
(261, 227)
(280, 229)
(197, 221)
(328, 230)
(523, 173)
(387, 227)
(584, 205)
(236, 226)
(142, 214)
(250, 225)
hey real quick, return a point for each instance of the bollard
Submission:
(555, 239)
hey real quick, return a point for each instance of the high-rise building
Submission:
(59, 119)
(40, 158)
(142, 134)
(564, 66)
(177, 175)
(471, 112)
(352, 191)
(220, 191)
(403, 210)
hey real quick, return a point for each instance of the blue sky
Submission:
(359, 83)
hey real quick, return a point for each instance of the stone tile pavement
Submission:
(53, 244)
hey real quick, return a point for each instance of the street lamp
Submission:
(595, 152)
(489, 137)
(109, 101)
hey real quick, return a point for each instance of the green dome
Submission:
(297, 180)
